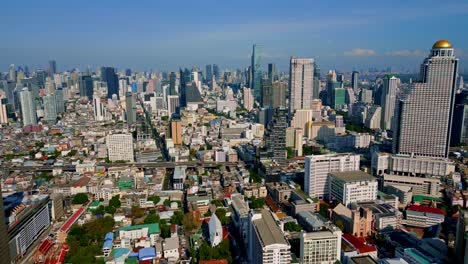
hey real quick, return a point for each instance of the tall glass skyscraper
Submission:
(108, 75)
(355, 81)
(256, 80)
(425, 111)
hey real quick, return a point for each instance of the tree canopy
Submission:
(80, 198)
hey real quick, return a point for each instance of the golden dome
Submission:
(442, 44)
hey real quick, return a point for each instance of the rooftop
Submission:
(268, 230)
(363, 260)
(352, 176)
(425, 209)
(152, 228)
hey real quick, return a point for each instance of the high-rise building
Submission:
(272, 73)
(12, 73)
(389, 93)
(59, 101)
(317, 168)
(248, 98)
(3, 110)
(256, 79)
(100, 111)
(50, 108)
(120, 147)
(208, 72)
(172, 104)
(355, 81)
(216, 72)
(176, 131)
(273, 93)
(4, 247)
(301, 74)
(86, 86)
(109, 76)
(460, 119)
(275, 136)
(425, 112)
(28, 108)
(267, 243)
(130, 107)
(49, 86)
(352, 187)
(366, 96)
(52, 67)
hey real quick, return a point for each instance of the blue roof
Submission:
(107, 244)
(133, 254)
(109, 236)
(146, 253)
(118, 252)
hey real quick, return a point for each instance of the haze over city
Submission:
(164, 35)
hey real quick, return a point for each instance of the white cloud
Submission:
(360, 52)
(405, 53)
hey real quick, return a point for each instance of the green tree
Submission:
(115, 201)
(190, 222)
(80, 198)
(151, 219)
(221, 214)
(177, 218)
(110, 209)
(292, 227)
(154, 198)
(137, 212)
(218, 203)
(256, 203)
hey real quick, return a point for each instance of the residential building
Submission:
(248, 98)
(28, 107)
(50, 108)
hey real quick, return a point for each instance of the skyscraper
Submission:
(425, 112)
(256, 79)
(52, 67)
(275, 136)
(272, 73)
(301, 73)
(3, 110)
(248, 98)
(460, 119)
(28, 108)
(355, 81)
(130, 107)
(216, 72)
(4, 247)
(172, 83)
(176, 131)
(50, 108)
(389, 93)
(109, 76)
(208, 72)
(273, 93)
(12, 73)
(86, 86)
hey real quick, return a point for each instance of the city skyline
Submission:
(154, 40)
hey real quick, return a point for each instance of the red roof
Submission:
(72, 220)
(273, 206)
(358, 244)
(425, 209)
(45, 246)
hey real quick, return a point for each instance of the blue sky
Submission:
(164, 35)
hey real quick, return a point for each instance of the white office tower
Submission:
(50, 108)
(321, 247)
(28, 108)
(12, 73)
(301, 83)
(317, 168)
(215, 230)
(425, 111)
(267, 243)
(172, 103)
(388, 100)
(123, 87)
(248, 98)
(120, 147)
